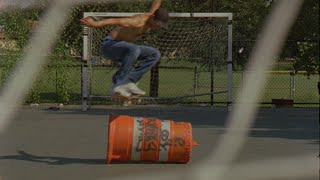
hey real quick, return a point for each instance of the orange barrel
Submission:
(149, 140)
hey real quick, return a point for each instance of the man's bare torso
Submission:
(128, 34)
(131, 34)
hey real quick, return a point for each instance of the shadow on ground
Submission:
(52, 160)
(24, 156)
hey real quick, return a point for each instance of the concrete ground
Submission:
(70, 144)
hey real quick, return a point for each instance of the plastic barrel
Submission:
(133, 139)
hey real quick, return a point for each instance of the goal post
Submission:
(193, 40)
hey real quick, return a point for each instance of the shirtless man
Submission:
(118, 45)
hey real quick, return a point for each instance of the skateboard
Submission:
(127, 101)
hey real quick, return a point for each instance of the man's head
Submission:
(160, 19)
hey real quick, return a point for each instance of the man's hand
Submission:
(89, 22)
(155, 5)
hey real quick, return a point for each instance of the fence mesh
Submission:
(67, 62)
(60, 81)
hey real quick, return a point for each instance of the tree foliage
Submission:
(306, 32)
(249, 16)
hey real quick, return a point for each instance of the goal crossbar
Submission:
(186, 15)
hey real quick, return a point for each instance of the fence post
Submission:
(292, 84)
(212, 75)
(84, 68)
(154, 81)
(230, 62)
(196, 80)
(56, 69)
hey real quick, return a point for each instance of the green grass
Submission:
(178, 82)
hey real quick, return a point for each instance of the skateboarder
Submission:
(119, 46)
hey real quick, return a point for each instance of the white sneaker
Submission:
(121, 90)
(133, 88)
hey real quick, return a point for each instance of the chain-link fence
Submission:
(189, 66)
(287, 79)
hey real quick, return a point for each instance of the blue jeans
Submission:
(135, 60)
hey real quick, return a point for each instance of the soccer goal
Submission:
(195, 67)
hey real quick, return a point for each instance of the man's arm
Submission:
(134, 21)
(155, 5)
(101, 23)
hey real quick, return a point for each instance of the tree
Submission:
(248, 19)
(306, 33)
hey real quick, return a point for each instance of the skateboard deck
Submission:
(127, 101)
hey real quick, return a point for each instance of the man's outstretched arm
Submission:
(155, 5)
(134, 21)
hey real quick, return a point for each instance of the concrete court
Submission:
(70, 144)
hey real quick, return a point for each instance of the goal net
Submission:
(194, 68)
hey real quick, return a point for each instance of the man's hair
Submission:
(162, 15)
